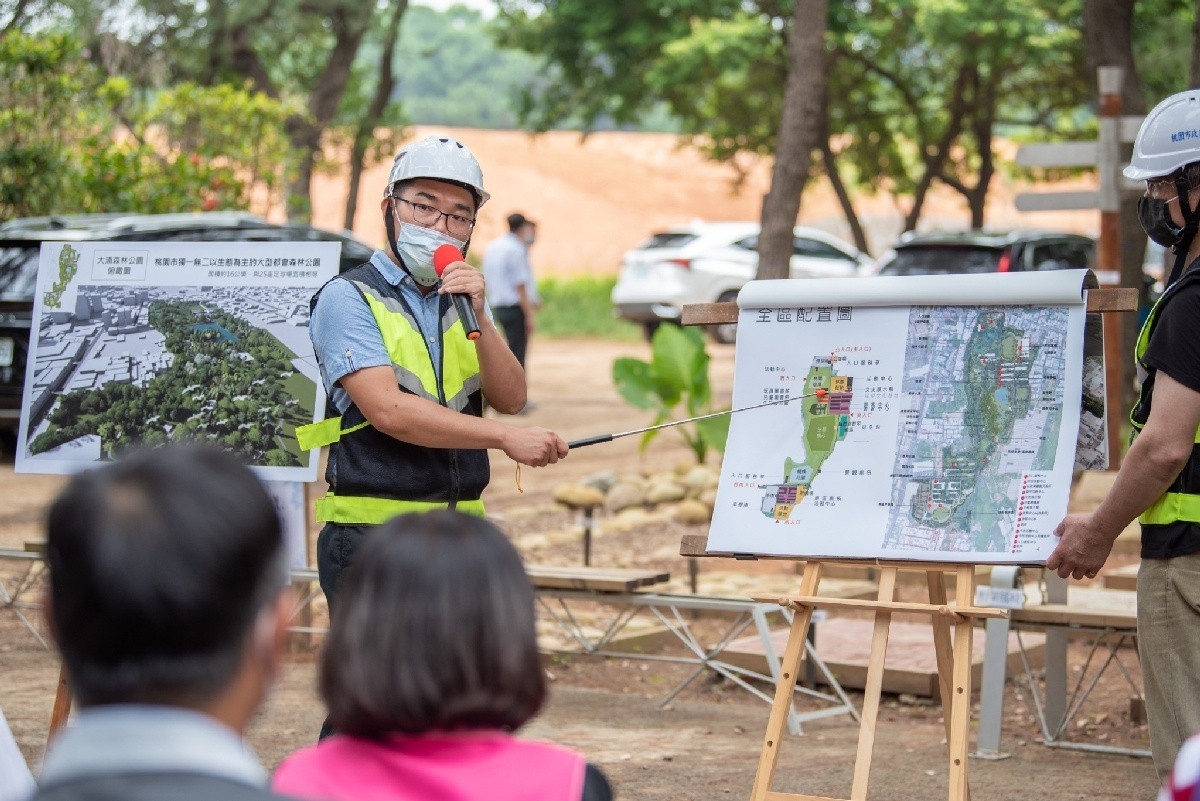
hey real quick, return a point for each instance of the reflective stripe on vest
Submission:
(410, 358)
(1172, 507)
(325, 432)
(371, 511)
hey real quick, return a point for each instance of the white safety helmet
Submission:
(1169, 138)
(441, 158)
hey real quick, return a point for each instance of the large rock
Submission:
(699, 479)
(577, 496)
(624, 496)
(664, 492)
(693, 511)
(709, 498)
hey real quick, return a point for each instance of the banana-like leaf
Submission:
(636, 382)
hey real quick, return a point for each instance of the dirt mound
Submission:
(596, 197)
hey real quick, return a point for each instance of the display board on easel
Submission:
(952, 414)
(946, 428)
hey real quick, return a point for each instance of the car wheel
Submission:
(725, 333)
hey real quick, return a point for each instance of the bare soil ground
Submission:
(704, 745)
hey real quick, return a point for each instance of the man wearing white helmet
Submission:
(1159, 480)
(405, 425)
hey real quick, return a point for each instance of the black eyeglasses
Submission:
(427, 215)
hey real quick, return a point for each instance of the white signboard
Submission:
(936, 417)
(139, 344)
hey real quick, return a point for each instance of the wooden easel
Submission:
(954, 654)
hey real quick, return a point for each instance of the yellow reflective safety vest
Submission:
(1181, 502)
(372, 476)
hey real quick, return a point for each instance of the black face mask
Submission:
(1156, 222)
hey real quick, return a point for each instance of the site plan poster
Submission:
(945, 428)
(140, 344)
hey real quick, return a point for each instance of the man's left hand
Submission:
(1082, 549)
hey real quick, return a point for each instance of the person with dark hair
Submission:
(430, 665)
(511, 290)
(168, 600)
(406, 386)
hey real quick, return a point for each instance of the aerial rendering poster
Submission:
(143, 343)
(937, 418)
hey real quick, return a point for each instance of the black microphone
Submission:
(443, 257)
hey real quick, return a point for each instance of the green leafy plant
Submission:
(677, 374)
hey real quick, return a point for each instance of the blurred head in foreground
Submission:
(434, 631)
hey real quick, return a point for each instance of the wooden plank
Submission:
(1098, 300)
(785, 688)
(960, 709)
(870, 710)
(1122, 578)
(949, 610)
(593, 579)
(1058, 154)
(1116, 299)
(1057, 201)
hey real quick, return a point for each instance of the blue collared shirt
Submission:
(346, 337)
(133, 738)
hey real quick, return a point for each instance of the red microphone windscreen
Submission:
(444, 256)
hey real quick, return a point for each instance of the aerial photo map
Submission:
(140, 344)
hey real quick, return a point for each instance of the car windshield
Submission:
(668, 239)
(943, 259)
(18, 271)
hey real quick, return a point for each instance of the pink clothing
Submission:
(476, 766)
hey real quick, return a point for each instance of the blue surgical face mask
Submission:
(416, 245)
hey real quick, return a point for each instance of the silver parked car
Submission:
(707, 262)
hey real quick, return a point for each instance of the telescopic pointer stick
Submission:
(821, 394)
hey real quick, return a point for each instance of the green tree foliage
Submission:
(451, 71)
(917, 87)
(73, 141)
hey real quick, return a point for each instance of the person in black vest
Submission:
(1159, 480)
(406, 385)
(168, 600)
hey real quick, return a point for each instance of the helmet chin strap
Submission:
(1191, 222)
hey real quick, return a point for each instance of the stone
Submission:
(602, 481)
(664, 492)
(578, 496)
(693, 511)
(709, 498)
(624, 496)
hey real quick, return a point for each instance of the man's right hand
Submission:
(536, 447)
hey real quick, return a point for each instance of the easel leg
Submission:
(875, 670)
(785, 687)
(960, 712)
(943, 647)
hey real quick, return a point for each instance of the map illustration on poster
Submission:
(141, 344)
(945, 430)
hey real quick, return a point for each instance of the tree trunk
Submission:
(366, 126)
(799, 134)
(843, 196)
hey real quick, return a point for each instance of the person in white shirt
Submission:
(511, 290)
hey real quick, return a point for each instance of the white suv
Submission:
(707, 262)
